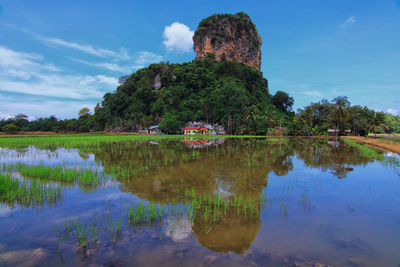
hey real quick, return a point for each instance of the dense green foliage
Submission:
(228, 93)
(318, 117)
(20, 123)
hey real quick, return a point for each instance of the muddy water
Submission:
(310, 202)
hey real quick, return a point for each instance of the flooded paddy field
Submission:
(197, 202)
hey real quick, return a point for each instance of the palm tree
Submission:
(307, 116)
(340, 113)
(378, 122)
(270, 119)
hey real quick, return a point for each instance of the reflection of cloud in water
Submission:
(22, 257)
(4, 211)
(178, 229)
(223, 188)
(392, 155)
(60, 157)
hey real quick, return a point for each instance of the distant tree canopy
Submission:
(20, 123)
(339, 114)
(10, 128)
(84, 112)
(282, 101)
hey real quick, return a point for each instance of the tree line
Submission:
(318, 117)
(314, 119)
(228, 93)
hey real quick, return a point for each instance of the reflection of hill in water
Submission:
(236, 167)
(234, 233)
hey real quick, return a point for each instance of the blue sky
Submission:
(59, 56)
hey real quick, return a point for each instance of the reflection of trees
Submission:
(318, 154)
(233, 233)
(234, 168)
(237, 167)
(161, 173)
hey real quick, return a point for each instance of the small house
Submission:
(196, 130)
(347, 132)
(280, 130)
(155, 129)
(333, 132)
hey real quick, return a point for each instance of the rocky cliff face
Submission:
(229, 37)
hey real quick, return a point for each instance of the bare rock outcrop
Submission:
(229, 37)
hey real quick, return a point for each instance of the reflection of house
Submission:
(333, 132)
(196, 130)
(192, 142)
(334, 143)
(195, 142)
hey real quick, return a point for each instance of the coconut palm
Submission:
(378, 122)
(340, 112)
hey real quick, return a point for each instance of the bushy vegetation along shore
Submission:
(227, 93)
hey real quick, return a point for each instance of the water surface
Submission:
(304, 202)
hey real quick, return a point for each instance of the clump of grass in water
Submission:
(139, 214)
(145, 213)
(214, 208)
(115, 231)
(27, 193)
(58, 174)
(85, 234)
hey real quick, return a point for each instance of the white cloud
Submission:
(141, 59)
(348, 22)
(20, 65)
(5, 116)
(105, 65)
(178, 37)
(393, 111)
(122, 54)
(65, 86)
(30, 84)
(144, 58)
(60, 108)
(313, 93)
(27, 73)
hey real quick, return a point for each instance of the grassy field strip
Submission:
(73, 141)
(365, 150)
(376, 142)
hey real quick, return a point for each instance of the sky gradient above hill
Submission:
(56, 58)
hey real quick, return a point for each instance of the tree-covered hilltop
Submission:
(228, 93)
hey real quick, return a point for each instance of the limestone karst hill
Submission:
(229, 37)
(222, 85)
